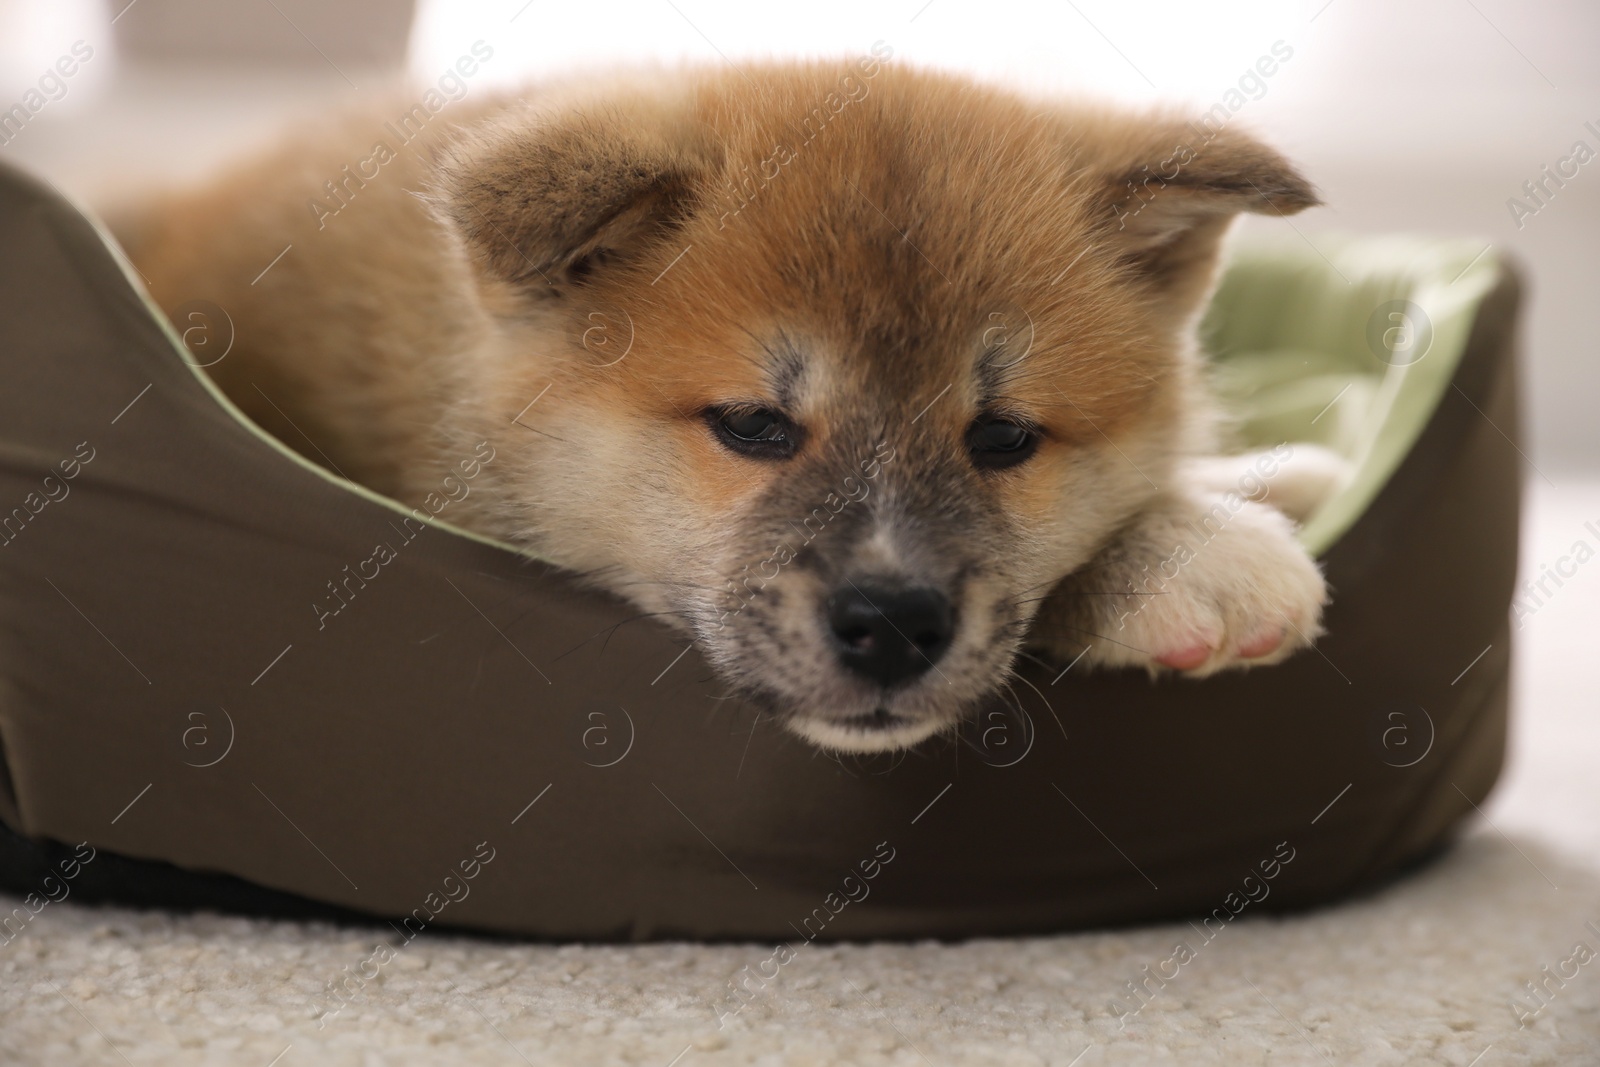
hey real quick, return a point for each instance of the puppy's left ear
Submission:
(542, 199)
(1168, 193)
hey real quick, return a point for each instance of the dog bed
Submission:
(472, 741)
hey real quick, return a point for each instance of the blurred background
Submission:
(1425, 116)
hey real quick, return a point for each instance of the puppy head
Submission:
(842, 367)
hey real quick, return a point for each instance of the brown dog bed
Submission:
(472, 741)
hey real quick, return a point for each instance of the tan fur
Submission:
(578, 275)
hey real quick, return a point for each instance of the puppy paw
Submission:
(1249, 595)
(1192, 587)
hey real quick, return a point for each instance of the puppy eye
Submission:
(995, 443)
(756, 432)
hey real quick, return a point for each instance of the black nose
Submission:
(890, 634)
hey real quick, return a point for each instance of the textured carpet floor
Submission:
(1431, 971)
(1424, 973)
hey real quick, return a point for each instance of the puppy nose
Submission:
(888, 634)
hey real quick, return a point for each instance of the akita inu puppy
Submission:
(866, 377)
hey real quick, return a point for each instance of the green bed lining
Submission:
(1296, 334)
(1288, 335)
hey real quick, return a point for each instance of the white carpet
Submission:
(1427, 972)
(1423, 974)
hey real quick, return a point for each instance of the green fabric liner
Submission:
(1288, 335)
(1297, 335)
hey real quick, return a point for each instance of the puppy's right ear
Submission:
(544, 200)
(1163, 191)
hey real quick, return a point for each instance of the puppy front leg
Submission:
(1199, 582)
